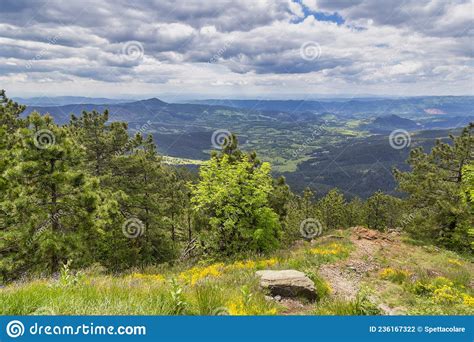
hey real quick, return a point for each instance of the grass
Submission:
(413, 278)
(424, 280)
(212, 289)
(362, 305)
(120, 296)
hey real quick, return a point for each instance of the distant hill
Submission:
(181, 114)
(67, 100)
(389, 123)
(137, 111)
(389, 112)
(394, 121)
(406, 107)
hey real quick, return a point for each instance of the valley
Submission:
(322, 144)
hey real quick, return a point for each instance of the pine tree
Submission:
(354, 213)
(279, 198)
(10, 112)
(382, 211)
(299, 209)
(103, 142)
(434, 186)
(140, 176)
(10, 123)
(177, 207)
(331, 209)
(54, 206)
(468, 198)
(307, 203)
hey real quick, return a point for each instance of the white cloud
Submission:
(227, 48)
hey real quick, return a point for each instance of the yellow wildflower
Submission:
(439, 282)
(447, 295)
(195, 274)
(250, 264)
(394, 275)
(331, 249)
(455, 262)
(239, 308)
(468, 300)
(267, 262)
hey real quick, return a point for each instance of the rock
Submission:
(369, 234)
(433, 273)
(287, 283)
(273, 299)
(269, 298)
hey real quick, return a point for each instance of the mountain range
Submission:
(296, 136)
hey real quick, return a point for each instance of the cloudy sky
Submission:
(251, 49)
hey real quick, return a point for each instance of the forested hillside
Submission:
(88, 194)
(317, 144)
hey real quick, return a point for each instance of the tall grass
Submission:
(359, 306)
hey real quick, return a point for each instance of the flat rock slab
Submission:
(287, 283)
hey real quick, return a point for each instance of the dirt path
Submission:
(345, 276)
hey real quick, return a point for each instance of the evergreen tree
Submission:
(354, 213)
(299, 209)
(331, 209)
(54, 207)
(382, 211)
(178, 209)
(279, 198)
(307, 203)
(142, 179)
(10, 112)
(434, 187)
(468, 198)
(103, 142)
(10, 123)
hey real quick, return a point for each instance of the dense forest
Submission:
(87, 192)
